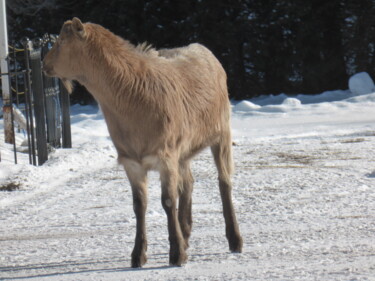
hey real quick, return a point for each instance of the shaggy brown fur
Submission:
(162, 107)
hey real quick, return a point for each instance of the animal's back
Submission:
(204, 96)
(196, 57)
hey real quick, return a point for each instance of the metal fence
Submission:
(38, 105)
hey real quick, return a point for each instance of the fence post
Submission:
(38, 94)
(29, 102)
(52, 109)
(65, 111)
(53, 104)
(8, 125)
(12, 117)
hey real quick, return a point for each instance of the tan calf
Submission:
(161, 107)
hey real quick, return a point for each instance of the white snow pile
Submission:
(303, 191)
(361, 84)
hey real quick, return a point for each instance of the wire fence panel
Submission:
(39, 105)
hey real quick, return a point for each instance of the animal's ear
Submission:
(78, 27)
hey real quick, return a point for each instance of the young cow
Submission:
(161, 107)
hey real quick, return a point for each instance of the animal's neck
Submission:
(114, 71)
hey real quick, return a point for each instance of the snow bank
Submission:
(245, 106)
(292, 102)
(327, 96)
(361, 84)
(4, 173)
(360, 93)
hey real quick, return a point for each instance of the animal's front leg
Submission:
(138, 180)
(169, 179)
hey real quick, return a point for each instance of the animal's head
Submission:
(64, 59)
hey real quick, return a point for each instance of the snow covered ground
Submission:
(303, 191)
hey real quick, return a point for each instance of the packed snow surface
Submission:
(303, 191)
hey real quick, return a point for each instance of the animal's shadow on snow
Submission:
(69, 268)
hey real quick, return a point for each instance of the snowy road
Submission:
(304, 196)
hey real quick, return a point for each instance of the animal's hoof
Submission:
(178, 259)
(235, 245)
(139, 261)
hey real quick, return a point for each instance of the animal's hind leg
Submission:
(137, 177)
(185, 202)
(169, 182)
(223, 160)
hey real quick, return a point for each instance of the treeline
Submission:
(266, 47)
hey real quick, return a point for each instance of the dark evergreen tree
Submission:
(269, 46)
